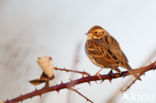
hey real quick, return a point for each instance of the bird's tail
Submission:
(135, 74)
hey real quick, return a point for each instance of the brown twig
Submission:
(81, 95)
(74, 71)
(79, 81)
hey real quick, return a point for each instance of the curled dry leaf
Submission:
(47, 74)
(46, 65)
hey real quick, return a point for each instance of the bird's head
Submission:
(96, 32)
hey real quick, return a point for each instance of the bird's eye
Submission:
(96, 32)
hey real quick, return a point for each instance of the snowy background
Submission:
(33, 28)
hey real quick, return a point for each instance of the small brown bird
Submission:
(104, 51)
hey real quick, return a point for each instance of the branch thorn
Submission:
(61, 82)
(89, 83)
(111, 74)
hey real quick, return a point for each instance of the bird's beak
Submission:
(89, 35)
(86, 33)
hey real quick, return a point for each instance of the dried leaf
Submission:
(46, 65)
(37, 81)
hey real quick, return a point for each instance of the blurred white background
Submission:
(33, 28)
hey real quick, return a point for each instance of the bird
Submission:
(104, 51)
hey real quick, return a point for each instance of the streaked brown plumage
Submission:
(104, 51)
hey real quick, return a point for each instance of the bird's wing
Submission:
(115, 50)
(99, 53)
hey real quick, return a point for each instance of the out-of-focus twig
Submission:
(149, 59)
(76, 61)
(15, 54)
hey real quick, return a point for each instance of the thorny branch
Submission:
(72, 83)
